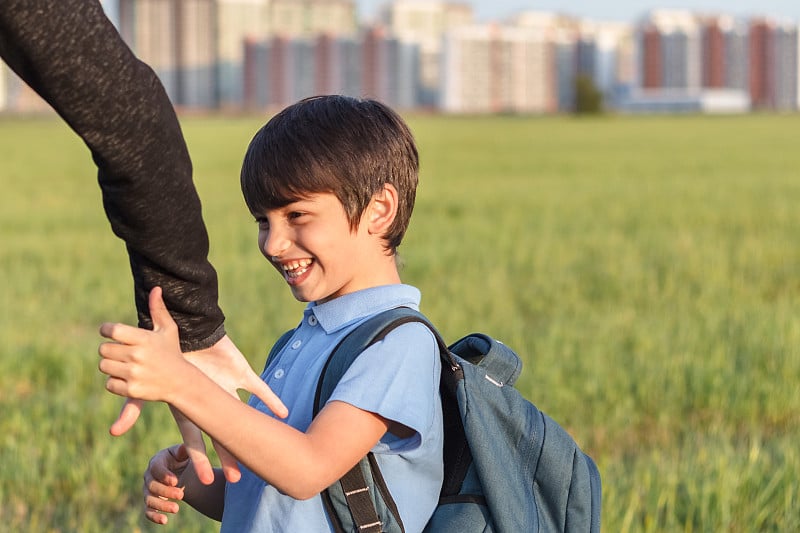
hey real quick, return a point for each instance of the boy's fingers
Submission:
(158, 310)
(178, 452)
(128, 416)
(114, 351)
(120, 332)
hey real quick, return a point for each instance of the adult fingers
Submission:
(230, 466)
(128, 416)
(195, 447)
(255, 385)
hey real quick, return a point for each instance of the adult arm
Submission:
(70, 53)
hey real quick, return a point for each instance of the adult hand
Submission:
(223, 363)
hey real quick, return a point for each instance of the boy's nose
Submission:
(276, 243)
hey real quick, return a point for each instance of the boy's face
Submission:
(312, 246)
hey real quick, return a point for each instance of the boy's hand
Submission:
(223, 363)
(140, 363)
(161, 483)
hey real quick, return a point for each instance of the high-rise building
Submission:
(491, 68)
(714, 65)
(787, 96)
(431, 53)
(308, 18)
(238, 21)
(688, 63)
(197, 46)
(670, 47)
(570, 53)
(423, 23)
(282, 70)
(762, 64)
(604, 55)
(736, 56)
(390, 68)
(177, 38)
(651, 58)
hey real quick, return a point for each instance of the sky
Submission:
(619, 10)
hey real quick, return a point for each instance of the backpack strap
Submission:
(353, 489)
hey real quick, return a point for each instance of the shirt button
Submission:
(312, 320)
(278, 373)
(296, 344)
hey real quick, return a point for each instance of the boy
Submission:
(331, 182)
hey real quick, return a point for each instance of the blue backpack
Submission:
(508, 467)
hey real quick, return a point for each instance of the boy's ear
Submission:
(382, 210)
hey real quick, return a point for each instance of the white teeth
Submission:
(296, 268)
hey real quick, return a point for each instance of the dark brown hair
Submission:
(336, 144)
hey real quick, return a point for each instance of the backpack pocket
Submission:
(460, 513)
(463, 511)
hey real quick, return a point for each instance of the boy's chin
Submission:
(301, 296)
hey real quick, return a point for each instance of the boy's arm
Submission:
(148, 365)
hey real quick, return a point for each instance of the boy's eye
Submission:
(295, 214)
(263, 223)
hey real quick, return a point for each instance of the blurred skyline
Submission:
(620, 10)
(446, 55)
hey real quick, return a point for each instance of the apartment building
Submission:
(280, 70)
(177, 38)
(432, 54)
(498, 68)
(670, 46)
(197, 47)
(238, 21)
(606, 55)
(307, 18)
(424, 23)
(787, 71)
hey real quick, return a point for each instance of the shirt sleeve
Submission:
(70, 53)
(397, 378)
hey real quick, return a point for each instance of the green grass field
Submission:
(646, 269)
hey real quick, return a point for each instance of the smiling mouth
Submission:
(295, 269)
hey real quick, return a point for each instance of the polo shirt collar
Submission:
(344, 310)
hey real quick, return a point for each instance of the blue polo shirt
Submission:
(398, 378)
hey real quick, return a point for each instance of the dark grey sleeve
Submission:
(70, 53)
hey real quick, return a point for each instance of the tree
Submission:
(588, 98)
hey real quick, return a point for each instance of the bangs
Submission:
(279, 169)
(333, 144)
